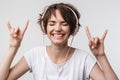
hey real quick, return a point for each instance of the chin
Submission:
(59, 42)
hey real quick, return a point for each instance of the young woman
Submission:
(58, 61)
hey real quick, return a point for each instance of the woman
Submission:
(59, 61)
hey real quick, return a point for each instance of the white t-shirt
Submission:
(78, 67)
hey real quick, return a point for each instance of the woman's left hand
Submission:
(96, 44)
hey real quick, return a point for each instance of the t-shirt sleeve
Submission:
(28, 58)
(89, 64)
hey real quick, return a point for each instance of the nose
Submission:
(58, 27)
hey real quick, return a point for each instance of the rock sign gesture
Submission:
(16, 35)
(96, 44)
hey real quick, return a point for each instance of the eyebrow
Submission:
(51, 21)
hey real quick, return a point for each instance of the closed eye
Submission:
(64, 23)
(51, 23)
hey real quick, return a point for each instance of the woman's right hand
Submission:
(16, 34)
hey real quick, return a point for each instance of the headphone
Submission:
(77, 22)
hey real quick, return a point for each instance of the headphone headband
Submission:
(77, 27)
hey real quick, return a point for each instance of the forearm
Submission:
(6, 63)
(106, 68)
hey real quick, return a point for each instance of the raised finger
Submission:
(88, 33)
(9, 26)
(12, 31)
(25, 27)
(104, 34)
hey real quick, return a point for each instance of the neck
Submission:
(57, 53)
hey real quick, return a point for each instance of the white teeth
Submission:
(58, 35)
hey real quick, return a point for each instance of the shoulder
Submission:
(82, 55)
(36, 51)
(34, 56)
(81, 52)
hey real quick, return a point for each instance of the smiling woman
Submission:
(58, 30)
(59, 60)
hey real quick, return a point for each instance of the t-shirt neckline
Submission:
(49, 59)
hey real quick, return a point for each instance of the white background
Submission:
(97, 14)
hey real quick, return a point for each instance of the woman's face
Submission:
(58, 29)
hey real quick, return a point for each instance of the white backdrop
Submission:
(97, 14)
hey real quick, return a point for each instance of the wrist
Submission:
(12, 49)
(14, 46)
(101, 56)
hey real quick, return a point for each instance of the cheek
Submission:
(67, 30)
(49, 29)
